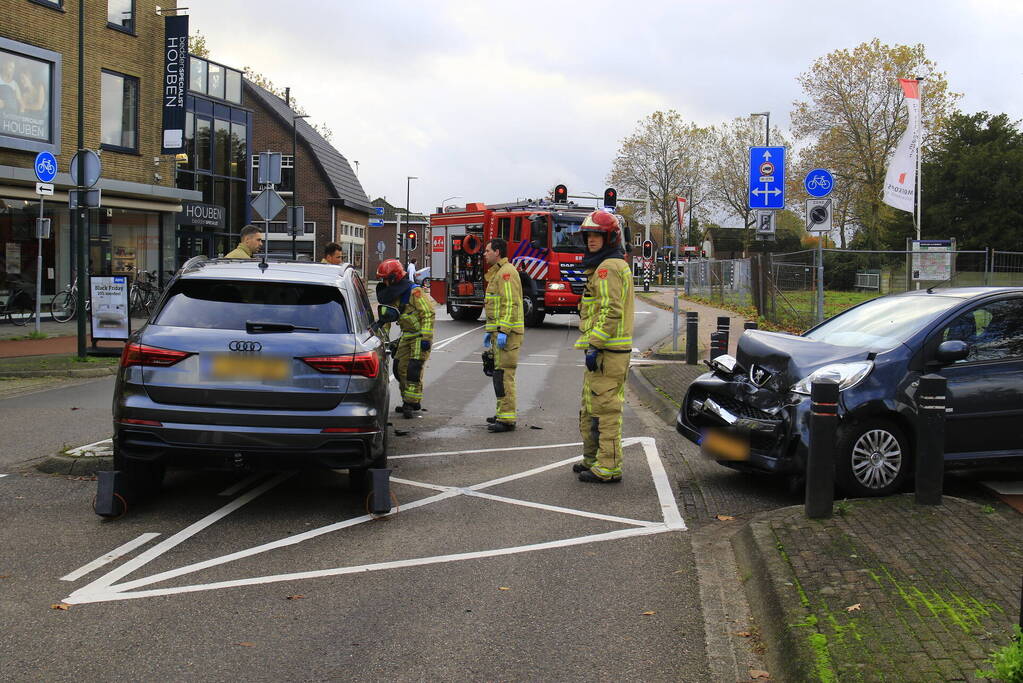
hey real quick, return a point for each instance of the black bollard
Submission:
(749, 325)
(930, 439)
(692, 337)
(716, 344)
(820, 461)
(724, 322)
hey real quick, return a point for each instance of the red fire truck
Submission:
(544, 243)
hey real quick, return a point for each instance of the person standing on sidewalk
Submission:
(504, 330)
(605, 326)
(251, 243)
(416, 323)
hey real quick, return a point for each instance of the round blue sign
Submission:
(46, 167)
(819, 183)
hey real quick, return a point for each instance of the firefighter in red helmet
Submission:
(416, 323)
(605, 326)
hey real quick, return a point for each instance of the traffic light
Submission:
(610, 198)
(560, 194)
(410, 240)
(648, 249)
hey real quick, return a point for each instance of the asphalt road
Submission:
(499, 564)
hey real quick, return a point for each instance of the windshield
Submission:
(567, 237)
(227, 305)
(882, 323)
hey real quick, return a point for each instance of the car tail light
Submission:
(140, 354)
(349, 430)
(365, 364)
(143, 423)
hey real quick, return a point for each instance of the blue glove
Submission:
(424, 344)
(502, 340)
(486, 340)
(591, 359)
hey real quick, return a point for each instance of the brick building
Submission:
(336, 207)
(123, 88)
(396, 219)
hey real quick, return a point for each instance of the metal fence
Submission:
(721, 281)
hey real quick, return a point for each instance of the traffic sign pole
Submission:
(46, 170)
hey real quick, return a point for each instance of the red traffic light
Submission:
(410, 240)
(561, 194)
(610, 197)
(648, 249)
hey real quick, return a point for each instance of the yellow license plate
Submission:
(246, 367)
(724, 446)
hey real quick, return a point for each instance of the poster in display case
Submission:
(110, 319)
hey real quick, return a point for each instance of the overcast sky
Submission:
(496, 101)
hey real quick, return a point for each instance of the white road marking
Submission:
(106, 443)
(482, 450)
(2, 476)
(105, 589)
(644, 312)
(479, 362)
(104, 582)
(544, 355)
(117, 552)
(441, 344)
(243, 484)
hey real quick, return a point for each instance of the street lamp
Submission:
(294, 183)
(767, 114)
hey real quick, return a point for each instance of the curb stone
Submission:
(757, 555)
(658, 403)
(83, 372)
(80, 465)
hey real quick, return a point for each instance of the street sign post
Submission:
(766, 226)
(45, 167)
(818, 215)
(766, 178)
(91, 168)
(268, 204)
(46, 170)
(819, 182)
(44, 189)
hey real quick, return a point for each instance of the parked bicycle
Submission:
(143, 293)
(20, 305)
(64, 305)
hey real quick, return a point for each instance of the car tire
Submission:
(872, 458)
(532, 315)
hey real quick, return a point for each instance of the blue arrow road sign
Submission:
(378, 210)
(46, 167)
(376, 222)
(766, 178)
(818, 183)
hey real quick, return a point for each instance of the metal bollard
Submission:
(930, 439)
(717, 344)
(692, 337)
(724, 322)
(820, 461)
(749, 325)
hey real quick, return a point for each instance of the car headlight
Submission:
(557, 286)
(847, 375)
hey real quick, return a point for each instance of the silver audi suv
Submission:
(248, 365)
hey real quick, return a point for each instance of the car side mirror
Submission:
(385, 315)
(952, 350)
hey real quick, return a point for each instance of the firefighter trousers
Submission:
(505, 362)
(600, 416)
(410, 364)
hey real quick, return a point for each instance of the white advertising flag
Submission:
(900, 181)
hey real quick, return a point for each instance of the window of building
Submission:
(239, 149)
(203, 153)
(29, 97)
(222, 147)
(119, 96)
(56, 4)
(233, 86)
(121, 15)
(197, 74)
(215, 80)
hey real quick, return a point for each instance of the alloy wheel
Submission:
(876, 459)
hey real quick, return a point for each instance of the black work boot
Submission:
(501, 427)
(407, 411)
(589, 477)
(580, 467)
(492, 419)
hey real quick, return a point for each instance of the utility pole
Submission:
(81, 211)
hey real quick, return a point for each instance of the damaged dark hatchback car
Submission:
(751, 412)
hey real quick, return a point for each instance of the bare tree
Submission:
(668, 157)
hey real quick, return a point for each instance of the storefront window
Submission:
(222, 147)
(197, 75)
(234, 86)
(124, 242)
(202, 144)
(215, 74)
(19, 246)
(239, 150)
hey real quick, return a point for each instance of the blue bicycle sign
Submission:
(818, 183)
(46, 167)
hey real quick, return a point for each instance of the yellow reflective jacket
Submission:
(417, 315)
(606, 310)
(503, 301)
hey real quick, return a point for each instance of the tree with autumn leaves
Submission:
(850, 119)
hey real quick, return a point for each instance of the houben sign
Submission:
(205, 215)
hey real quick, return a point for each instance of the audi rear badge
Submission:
(250, 346)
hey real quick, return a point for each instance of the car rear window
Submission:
(226, 305)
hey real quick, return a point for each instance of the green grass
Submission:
(56, 362)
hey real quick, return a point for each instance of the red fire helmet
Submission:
(390, 270)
